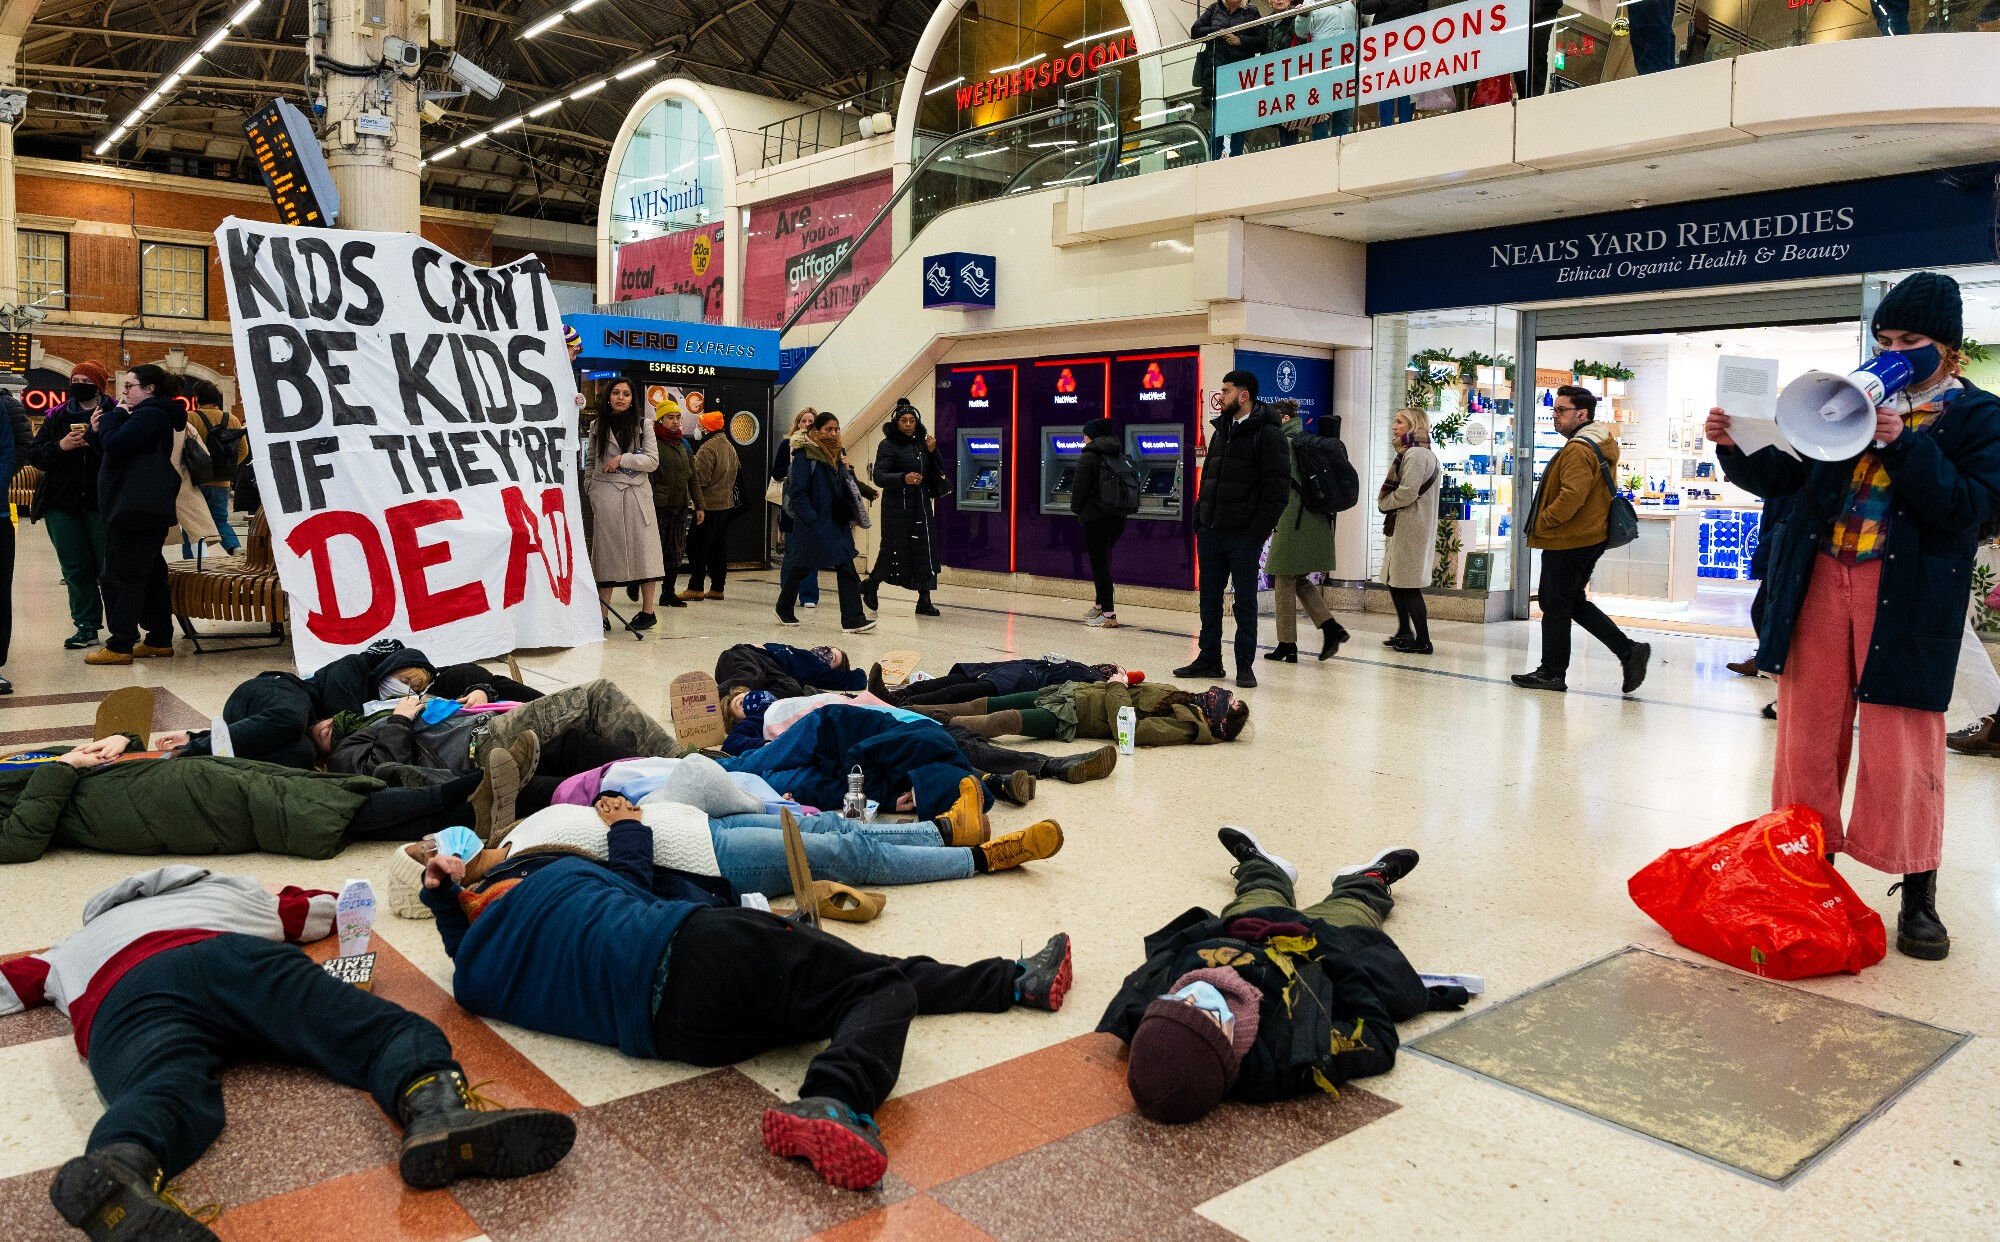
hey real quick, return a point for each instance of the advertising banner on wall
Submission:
(1440, 48)
(794, 244)
(689, 261)
(413, 423)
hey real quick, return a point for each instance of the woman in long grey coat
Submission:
(1409, 503)
(624, 531)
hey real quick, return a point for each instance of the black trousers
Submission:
(167, 1028)
(411, 814)
(135, 589)
(455, 681)
(7, 588)
(844, 577)
(1099, 537)
(742, 982)
(950, 688)
(1412, 616)
(985, 756)
(1565, 574)
(708, 550)
(1228, 559)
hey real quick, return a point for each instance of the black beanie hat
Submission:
(1181, 1063)
(1097, 427)
(1925, 303)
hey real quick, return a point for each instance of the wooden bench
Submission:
(219, 589)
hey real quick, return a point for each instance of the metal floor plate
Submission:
(1757, 1076)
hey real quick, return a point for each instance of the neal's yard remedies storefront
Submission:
(1640, 307)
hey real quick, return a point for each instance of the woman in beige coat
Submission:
(191, 506)
(624, 531)
(1408, 500)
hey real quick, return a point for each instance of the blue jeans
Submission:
(750, 851)
(1652, 34)
(1397, 111)
(218, 508)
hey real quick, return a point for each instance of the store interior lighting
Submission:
(172, 80)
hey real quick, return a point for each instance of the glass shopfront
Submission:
(670, 178)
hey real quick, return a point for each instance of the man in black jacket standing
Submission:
(66, 497)
(1245, 484)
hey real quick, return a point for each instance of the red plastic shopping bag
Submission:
(1763, 898)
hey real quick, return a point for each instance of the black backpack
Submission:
(1327, 483)
(1120, 486)
(1621, 521)
(224, 445)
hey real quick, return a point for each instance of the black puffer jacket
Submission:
(907, 555)
(69, 478)
(270, 717)
(1093, 473)
(1247, 479)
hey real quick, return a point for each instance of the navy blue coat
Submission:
(1945, 487)
(811, 760)
(814, 495)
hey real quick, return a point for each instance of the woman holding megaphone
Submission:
(1868, 583)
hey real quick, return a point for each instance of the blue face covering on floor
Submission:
(1203, 996)
(460, 842)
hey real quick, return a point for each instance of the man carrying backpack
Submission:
(1569, 521)
(1104, 494)
(226, 446)
(1323, 483)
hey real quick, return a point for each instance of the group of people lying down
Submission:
(179, 971)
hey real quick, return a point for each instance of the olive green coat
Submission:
(193, 805)
(1303, 541)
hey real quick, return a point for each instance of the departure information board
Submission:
(288, 154)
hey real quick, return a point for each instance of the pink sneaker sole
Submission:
(837, 1154)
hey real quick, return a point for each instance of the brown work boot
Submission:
(105, 655)
(526, 747)
(965, 823)
(1030, 844)
(493, 801)
(1975, 739)
(146, 651)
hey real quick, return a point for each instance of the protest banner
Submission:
(413, 423)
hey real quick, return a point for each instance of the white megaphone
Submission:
(1832, 417)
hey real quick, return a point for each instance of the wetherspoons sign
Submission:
(1932, 219)
(1462, 43)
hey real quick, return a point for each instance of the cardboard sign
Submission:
(898, 665)
(695, 707)
(358, 970)
(414, 429)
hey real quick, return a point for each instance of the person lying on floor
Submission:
(180, 971)
(272, 716)
(906, 766)
(532, 748)
(757, 719)
(786, 671)
(744, 849)
(980, 681)
(694, 779)
(588, 950)
(1267, 1001)
(78, 797)
(1167, 715)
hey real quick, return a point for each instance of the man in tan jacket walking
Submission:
(1567, 522)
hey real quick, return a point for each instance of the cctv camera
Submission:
(473, 77)
(402, 53)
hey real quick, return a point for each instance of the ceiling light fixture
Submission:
(543, 26)
(1105, 34)
(635, 69)
(945, 86)
(591, 89)
(173, 79)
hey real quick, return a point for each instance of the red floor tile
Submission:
(922, 1219)
(370, 1206)
(1061, 1089)
(948, 1131)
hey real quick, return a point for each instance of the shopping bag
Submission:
(1762, 898)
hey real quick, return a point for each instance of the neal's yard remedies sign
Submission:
(1921, 220)
(413, 423)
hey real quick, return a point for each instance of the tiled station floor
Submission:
(1531, 810)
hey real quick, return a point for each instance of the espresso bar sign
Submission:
(1922, 220)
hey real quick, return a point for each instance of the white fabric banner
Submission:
(413, 421)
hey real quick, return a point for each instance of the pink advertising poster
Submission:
(689, 261)
(793, 243)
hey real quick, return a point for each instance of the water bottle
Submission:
(855, 804)
(1128, 729)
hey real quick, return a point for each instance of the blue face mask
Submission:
(459, 842)
(1924, 362)
(1205, 996)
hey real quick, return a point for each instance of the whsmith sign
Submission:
(1932, 219)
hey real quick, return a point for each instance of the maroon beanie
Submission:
(1181, 1063)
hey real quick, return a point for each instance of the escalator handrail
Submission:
(1154, 132)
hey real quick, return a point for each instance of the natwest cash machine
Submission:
(975, 415)
(1156, 402)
